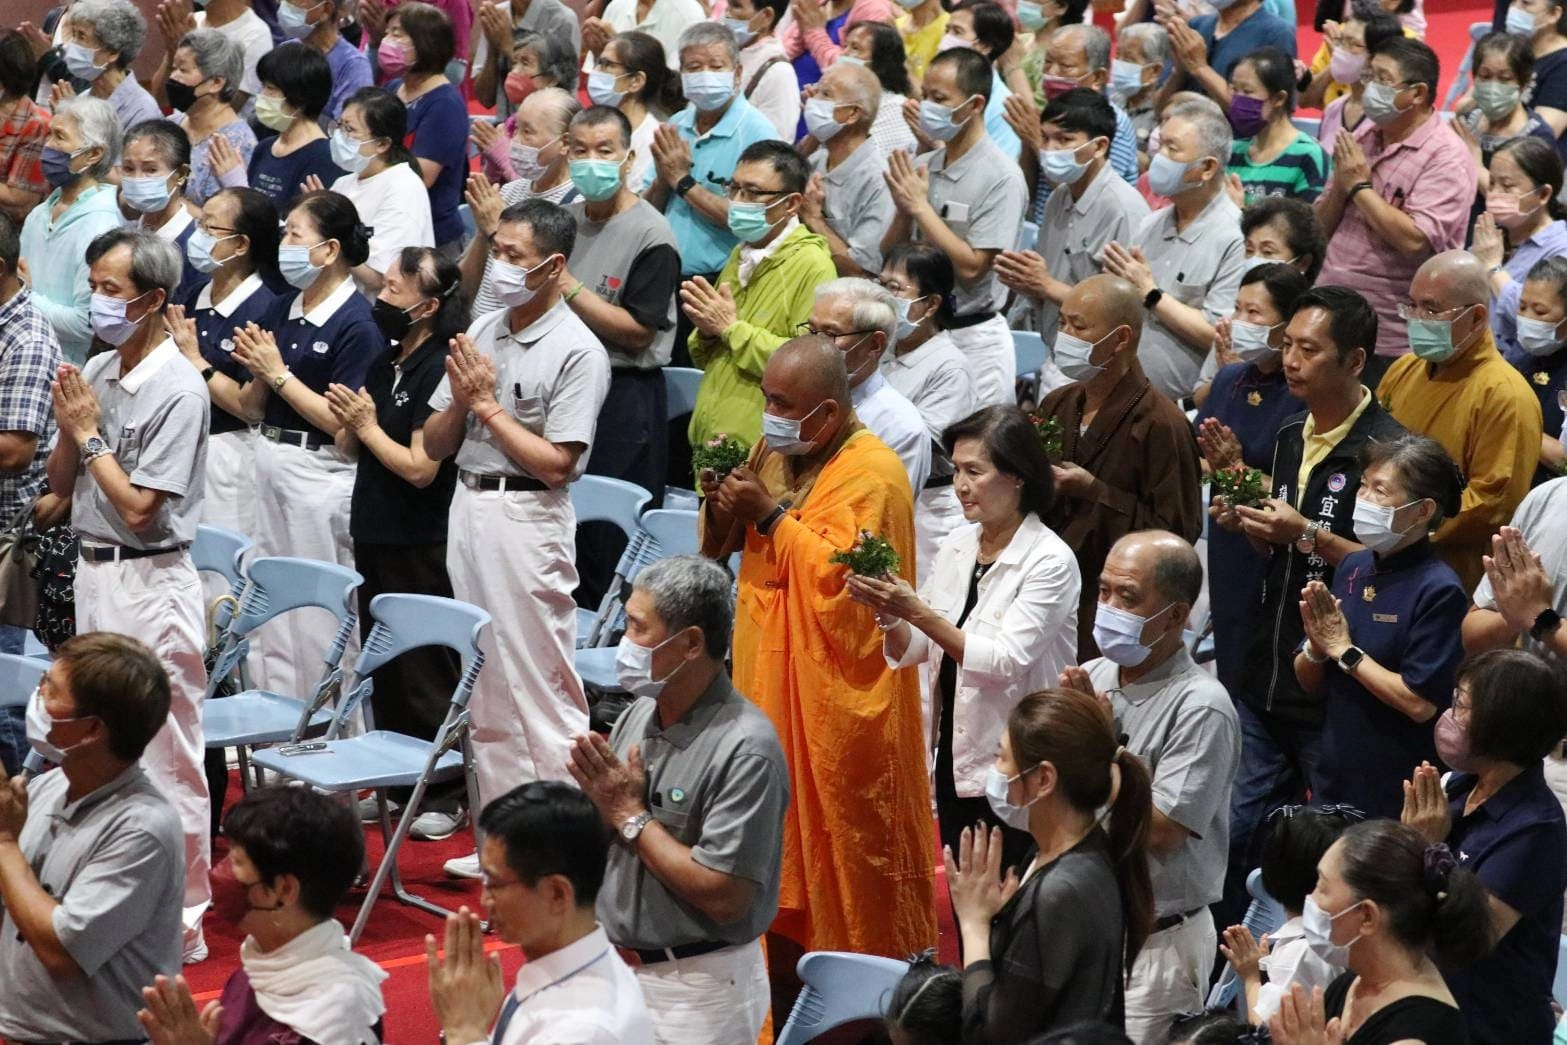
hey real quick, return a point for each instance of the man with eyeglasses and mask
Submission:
(761, 296)
(857, 872)
(1455, 386)
(91, 867)
(1402, 187)
(519, 407)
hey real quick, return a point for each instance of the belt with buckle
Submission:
(480, 481)
(293, 437)
(1170, 921)
(670, 954)
(118, 552)
(974, 320)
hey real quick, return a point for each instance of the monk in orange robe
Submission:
(858, 849)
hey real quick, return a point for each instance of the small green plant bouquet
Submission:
(721, 453)
(1049, 429)
(871, 556)
(1239, 486)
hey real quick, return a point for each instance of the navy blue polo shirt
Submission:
(1547, 375)
(1254, 405)
(1405, 610)
(438, 132)
(1516, 841)
(250, 302)
(334, 343)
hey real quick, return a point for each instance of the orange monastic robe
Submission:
(858, 863)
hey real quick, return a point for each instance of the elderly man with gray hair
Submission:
(105, 37)
(1187, 259)
(1141, 51)
(693, 780)
(859, 318)
(847, 202)
(133, 451)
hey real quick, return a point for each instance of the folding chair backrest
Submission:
(19, 676)
(1029, 352)
(839, 987)
(279, 584)
(673, 529)
(222, 552)
(404, 622)
(1263, 915)
(680, 385)
(597, 498)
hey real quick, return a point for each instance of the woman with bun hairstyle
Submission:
(322, 335)
(1383, 645)
(1390, 906)
(1052, 945)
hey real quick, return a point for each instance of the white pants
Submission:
(514, 554)
(157, 600)
(992, 360)
(302, 501)
(936, 514)
(720, 998)
(1170, 977)
(229, 497)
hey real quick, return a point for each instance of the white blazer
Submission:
(1020, 636)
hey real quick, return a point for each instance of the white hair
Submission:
(1214, 134)
(861, 88)
(1155, 40)
(874, 306)
(96, 125)
(705, 34)
(217, 55)
(117, 24)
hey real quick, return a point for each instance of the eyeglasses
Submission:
(213, 230)
(746, 194)
(1409, 310)
(806, 329)
(1462, 701)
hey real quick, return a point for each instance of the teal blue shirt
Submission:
(704, 247)
(56, 257)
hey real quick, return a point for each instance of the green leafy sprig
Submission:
(871, 556)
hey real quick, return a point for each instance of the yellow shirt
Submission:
(921, 44)
(1319, 446)
(1485, 415)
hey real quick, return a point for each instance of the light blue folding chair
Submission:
(1029, 351)
(839, 987)
(664, 533)
(222, 552)
(279, 585)
(597, 498)
(674, 529)
(19, 676)
(380, 759)
(1028, 236)
(680, 387)
(1559, 985)
(1263, 915)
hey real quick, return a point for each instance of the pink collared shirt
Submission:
(1431, 177)
(796, 43)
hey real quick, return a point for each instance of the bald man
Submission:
(1181, 722)
(1455, 387)
(847, 202)
(858, 870)
(1129, 461)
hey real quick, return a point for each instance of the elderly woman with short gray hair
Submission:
(203, 86)
(83, 145)
(105, 36)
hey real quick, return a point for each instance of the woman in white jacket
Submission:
(995, 620)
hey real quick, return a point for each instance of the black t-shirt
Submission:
(1418, 1019)
(386, 508)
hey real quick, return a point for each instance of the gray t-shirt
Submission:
(717, 781)
(859, 205)
(552, 375)
(1543, 519)
(155, 420)
(982, 198)
(631, 261)
(115, 861)
(1181, 722)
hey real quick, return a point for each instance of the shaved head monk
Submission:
(858, 845)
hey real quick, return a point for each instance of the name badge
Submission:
(1385, 618)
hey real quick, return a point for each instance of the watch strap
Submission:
(770, 520)
(1152, 298)
(206, 374)
(684, 185)
(1544, 624)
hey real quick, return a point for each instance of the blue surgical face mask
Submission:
(601, 88)
(708, 91)
(597, 180)
(1520, 22)
(819, 118)
(1538, 336)
(1432, 339)
(148, 195)
(1030, 15)
(783, 433)
(741, 27)
(346, 152)
(1119, 634)
(855, 59)
(936, 120)
(748, 221)
(295, 265)
(79, 60)
(1257, 261)
(907, 326)
(1317, 927)
(56, 165)
(1075, 356)
(108, 319)
(1061, 166)
(291, 19)
(1167, 177)
(199, 250)
(1126, 78)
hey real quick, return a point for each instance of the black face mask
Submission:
(181, 95)
(393, 321)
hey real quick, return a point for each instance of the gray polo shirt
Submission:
(1075, 232)
(631, 261)
(1200, 266)
(859, 205)
(982, 198)
(115, 861)
(1181, 722)
(717, 781)
(155, 419)
(552, 375)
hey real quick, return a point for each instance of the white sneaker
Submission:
(434, 825)
(464, 867)
(195, 951)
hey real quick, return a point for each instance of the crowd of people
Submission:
(375, 283)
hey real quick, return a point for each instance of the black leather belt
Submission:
(117, 552)
(961, 322)
(294, 437)
(1170, 921)
(936, 482)
(479, 481)
(685, 950)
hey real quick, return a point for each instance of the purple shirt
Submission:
(350, 71)
(244, 1023)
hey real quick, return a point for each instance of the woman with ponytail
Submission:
(1389, 906)
(1054, 947)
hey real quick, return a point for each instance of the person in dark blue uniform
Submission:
(1384, 643)
(295, 88)
(1500, 817)
(154, 166)
(1541, 355)
(322, 335)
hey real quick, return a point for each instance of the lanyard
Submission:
(513, 1003)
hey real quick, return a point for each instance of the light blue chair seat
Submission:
(1029, 352)
(839, 987)
(585, 621)
(596, 666)
(377, 759)
(680, 388)
(257, 717)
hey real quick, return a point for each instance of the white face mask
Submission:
(1119, 634)
(783, 433)
(634, 667)
(1538, 336)
(1250, 340)
(1317, 925)
(39, 726)
(1374, 525)
(1073, 356)
(997, 788)
(511, 282)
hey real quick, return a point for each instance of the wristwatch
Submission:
(766, 525)
(1306, 543)
(1350, 659)
(684, 185)
(1151, 298)
(1545, 624)
(631, 830)
(206, 374)
(94, 448)
(282, 379)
